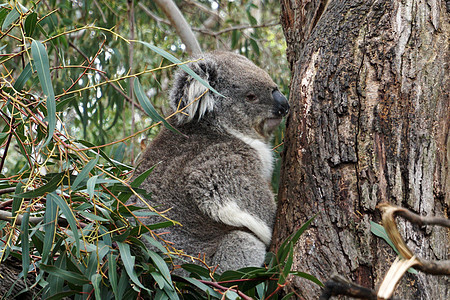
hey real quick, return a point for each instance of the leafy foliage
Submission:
(64, 211)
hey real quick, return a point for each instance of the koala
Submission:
(214, 178)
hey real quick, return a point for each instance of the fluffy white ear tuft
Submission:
(198, 101)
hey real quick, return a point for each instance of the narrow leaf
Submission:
(161, 265)
(72, 277)
(96, 279)
(69, 216)
(203, 287)
(309, 277)
(112, 273)
(148, 106)
(24, 227)
(23, 78)
(154, 243)
(159, 279)
(175, 60)
(49, 187)
(40, 58)
(284, 250)
(85, 172)
(30, 24)
(49, 227)
(90, 185)
(13, 15)
(379, 231)
(128, 262)
(287, 266)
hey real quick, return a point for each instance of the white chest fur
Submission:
(263, 150)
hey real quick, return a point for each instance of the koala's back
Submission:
(200, 176)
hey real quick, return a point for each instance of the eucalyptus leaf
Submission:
(42, 65)
(85, 172)
(128, 262)
(69, 216)
(72, 277)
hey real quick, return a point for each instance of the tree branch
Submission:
(181, 26)
(241, 27)
(223, 288)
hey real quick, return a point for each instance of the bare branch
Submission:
(7, 190)
(407, 259)
(152, 15)
(415, 218)
(7, 216)
(181, 26)
(205, 9)
(338, 285)
(241, 27)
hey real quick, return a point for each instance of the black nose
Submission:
(281, 105)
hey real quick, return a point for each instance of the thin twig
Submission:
(223, 288)
(241, 27)
(114, 86)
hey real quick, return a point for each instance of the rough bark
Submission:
(369, 123)
(11, 285)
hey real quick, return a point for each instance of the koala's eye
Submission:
(251, 98)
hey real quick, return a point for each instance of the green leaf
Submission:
(287, 267)
(92, 217)
(30, 24)
(203, 287)
(112, 273)
(199, 270)
(309, 277)
(72, 277)
(56, 283)
(49, 187)
(175, 60)
(85, 172)
(40, 58)
(160, 295)
(148, 106)
(17, 202)
(13, 15)
(161, 265)
(69, 216)
(24, 228)
(50, 216)
(283, 251)
(96, 279)
(379, 231)
(62, 295)
(159, 279)
(154, 243)
(23, 78)
(90, 185)
(128, 262)
(255, 47)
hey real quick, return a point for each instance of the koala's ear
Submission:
(189, 95)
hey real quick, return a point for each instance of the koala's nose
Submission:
(281, 105)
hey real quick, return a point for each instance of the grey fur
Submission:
(217, 179)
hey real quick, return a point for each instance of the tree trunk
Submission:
(369, 123)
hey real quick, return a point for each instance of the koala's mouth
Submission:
(267, 126)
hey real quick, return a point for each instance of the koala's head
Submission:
(251, 103)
